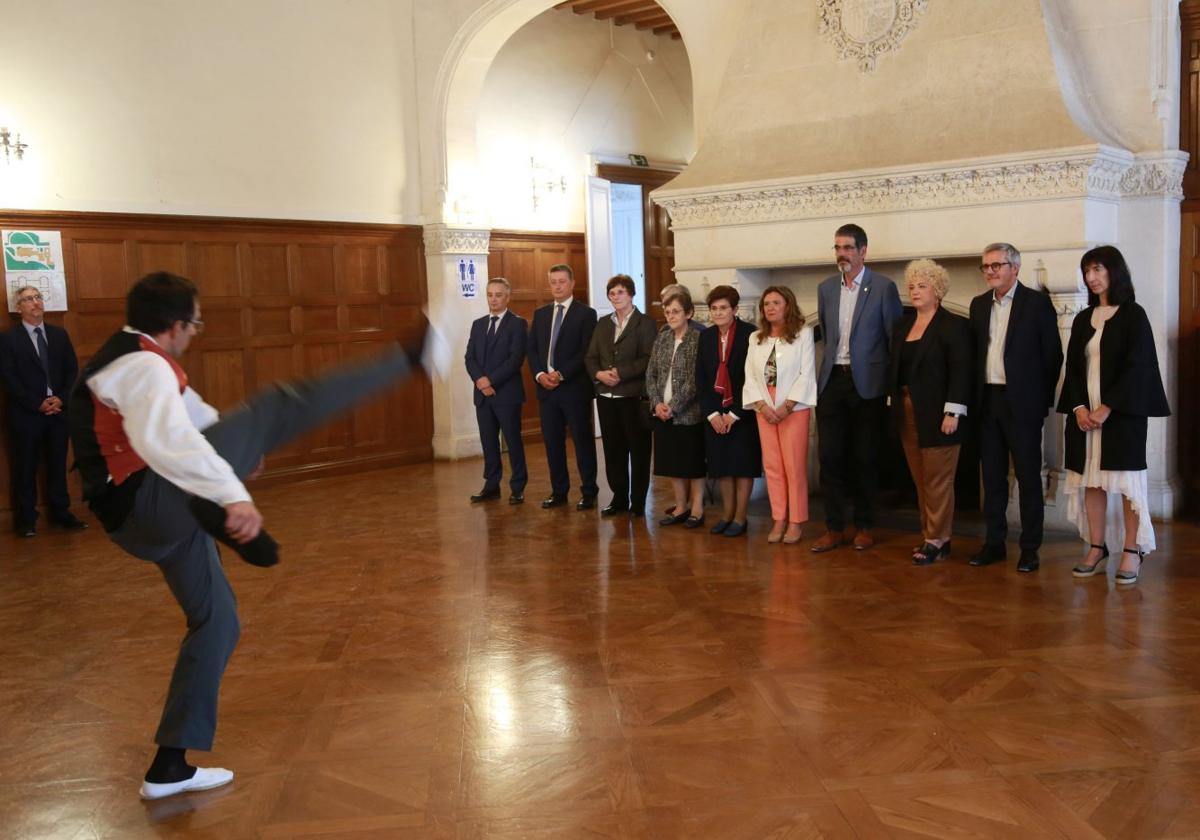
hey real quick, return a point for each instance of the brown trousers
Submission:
(932, 469)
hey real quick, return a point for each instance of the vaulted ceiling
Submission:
(643, 14)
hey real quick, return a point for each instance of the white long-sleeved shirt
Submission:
(164, 426)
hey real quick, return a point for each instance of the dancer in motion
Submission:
(164, 473)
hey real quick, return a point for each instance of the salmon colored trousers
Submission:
(785, 462)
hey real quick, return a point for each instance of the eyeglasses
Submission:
(29, 298)
(197, 323)
(984, 268)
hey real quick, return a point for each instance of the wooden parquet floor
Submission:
(421, 668)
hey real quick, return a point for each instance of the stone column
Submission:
(456, 272)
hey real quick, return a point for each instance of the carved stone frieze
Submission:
(440, 239)
(1091, 172)
(1155, 177)
(865, 29)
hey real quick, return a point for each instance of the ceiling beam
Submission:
(626, 7)
(649, 13)
(661, 20)
(663, 30)
(581, 7)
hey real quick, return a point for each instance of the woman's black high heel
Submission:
(928, 553)
(1082, 571)
(1130, 577)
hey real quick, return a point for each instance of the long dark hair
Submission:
(1120, 283)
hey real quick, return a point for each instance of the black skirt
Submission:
(678, 450)
(737, 454)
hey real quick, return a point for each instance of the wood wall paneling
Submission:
(1187, 396)
(279, 300)
(524, 259)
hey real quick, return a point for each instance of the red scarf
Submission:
(723, 386)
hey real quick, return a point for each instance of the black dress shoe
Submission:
(734, 529)
(553, 500)
(486, 493)
(1029, 561)
(69, 522)
(518, 497)
(987, 555)
(260, 551)
(586, 503)
(26, 531)
(613, 510)
(638, 512)
(675, 519)
(694, 521)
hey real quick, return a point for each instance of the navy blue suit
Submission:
(1011, 417)
(499, 358)
(34, 433)
(570, 404)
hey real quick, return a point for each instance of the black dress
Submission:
(738, 453)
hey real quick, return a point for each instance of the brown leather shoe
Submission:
(826, 542)
(863, 540)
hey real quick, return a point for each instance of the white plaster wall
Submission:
(566, 86)
(975, 78)
(271, 108)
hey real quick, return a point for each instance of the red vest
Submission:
(109, 427)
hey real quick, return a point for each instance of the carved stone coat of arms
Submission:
(864, 29)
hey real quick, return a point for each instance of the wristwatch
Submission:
(953, 414)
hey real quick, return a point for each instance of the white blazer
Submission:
(795, 371)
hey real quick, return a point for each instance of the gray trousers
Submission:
(160, 529)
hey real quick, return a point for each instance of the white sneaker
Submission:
(206, 778)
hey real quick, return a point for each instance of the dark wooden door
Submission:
(659, 240)
(1186, 399)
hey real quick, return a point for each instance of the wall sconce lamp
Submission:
(545, 182)
(12, 147)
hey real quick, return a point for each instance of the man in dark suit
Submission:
(495, 352)
(857, 310)
(1018, 356)
(561, 333)
(38, 366)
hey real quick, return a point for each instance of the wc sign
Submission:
(466, 278)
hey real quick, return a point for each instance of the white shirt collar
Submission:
(566, 304)
(1012, 290)
(29, 328)
(499, 315)
(856, 283)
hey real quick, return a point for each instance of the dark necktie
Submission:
(558, 319)
(489, 341)
(43, 353)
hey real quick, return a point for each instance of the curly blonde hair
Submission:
(929, 271)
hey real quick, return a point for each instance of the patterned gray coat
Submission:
(684, 404)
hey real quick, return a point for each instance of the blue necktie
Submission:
(43, 354)
(558, 319)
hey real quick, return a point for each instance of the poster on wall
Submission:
(35, 258)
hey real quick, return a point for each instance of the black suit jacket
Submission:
(575, 334)
(501, 363)
(941, 373)
(629, 354)
(23, 377)
(1130, 385)
(1033, 353)
(708, 360)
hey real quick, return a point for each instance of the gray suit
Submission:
(875, 314)
(850, 402)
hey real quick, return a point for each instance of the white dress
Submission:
(1128, 483)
